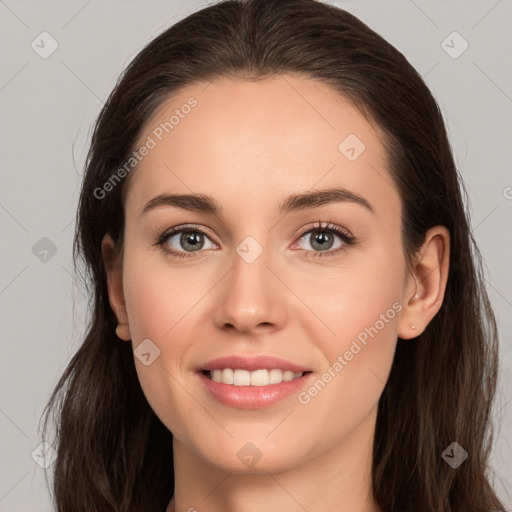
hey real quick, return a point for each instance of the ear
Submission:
(426, 283)
(114, 271)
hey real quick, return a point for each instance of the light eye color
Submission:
(180, 239)
(174, 240)
(310, 238)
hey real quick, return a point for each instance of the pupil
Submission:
(322, 239)
(191, 239)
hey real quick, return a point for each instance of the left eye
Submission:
(322, 239)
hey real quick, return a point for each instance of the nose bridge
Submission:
(250, 294)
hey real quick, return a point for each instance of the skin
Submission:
(249, 145)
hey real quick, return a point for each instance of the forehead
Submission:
(248, 142)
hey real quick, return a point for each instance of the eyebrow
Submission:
(206, 204)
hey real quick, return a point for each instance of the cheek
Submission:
(157, 296)
(162, 303)
(360, 294)
(157, 302)
(359, 307)
(357, 362)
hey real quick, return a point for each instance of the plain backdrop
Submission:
(48, 104)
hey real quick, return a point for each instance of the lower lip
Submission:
(253, 397)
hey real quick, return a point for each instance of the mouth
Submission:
(252, 382)
(260, 377)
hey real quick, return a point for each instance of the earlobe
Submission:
(114, 273)
(426, 284)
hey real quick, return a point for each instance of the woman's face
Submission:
(256, 279)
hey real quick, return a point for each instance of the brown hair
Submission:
(114, 454)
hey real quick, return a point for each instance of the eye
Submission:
(321, 239)
(183, 241)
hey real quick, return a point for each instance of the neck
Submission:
(338, 480)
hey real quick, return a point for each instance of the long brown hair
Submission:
(114, 454)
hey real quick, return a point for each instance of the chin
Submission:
(252, 457)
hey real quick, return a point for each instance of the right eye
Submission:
(183, 241)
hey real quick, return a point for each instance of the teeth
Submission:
(275, 376)
(241, 378)
(227, 376)
(256, 378)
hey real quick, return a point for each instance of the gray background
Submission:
(47, 107)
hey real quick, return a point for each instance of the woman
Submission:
(331, 345)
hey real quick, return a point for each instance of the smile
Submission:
(263, 377)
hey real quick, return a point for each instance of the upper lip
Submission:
(252, 364)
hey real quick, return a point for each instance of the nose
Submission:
(252, 298)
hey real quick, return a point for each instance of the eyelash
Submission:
(328, 227)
